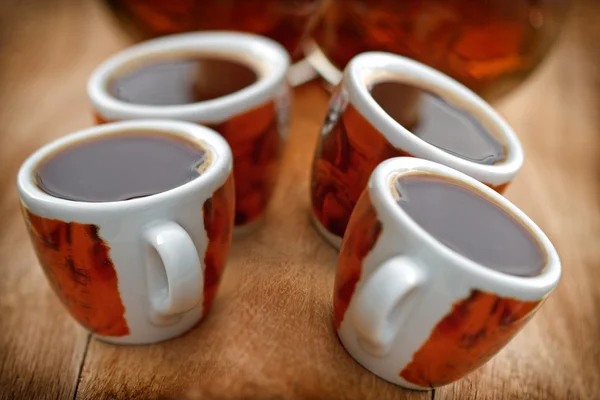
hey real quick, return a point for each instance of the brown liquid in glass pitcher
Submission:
(490, 46)
(285, 21)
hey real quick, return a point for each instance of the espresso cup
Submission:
(253, 119)
(358, 134)
(416, 312)
(141, 270)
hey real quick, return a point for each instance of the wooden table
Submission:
(270, 335)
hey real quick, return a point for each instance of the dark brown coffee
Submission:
(121, 167)
(438, 122)
(181, 81)
(469, 223)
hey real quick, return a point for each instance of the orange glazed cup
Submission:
(419, 313)
(253, 117)
(358, 134)
(141, 270)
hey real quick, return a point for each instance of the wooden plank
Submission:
(269, 334)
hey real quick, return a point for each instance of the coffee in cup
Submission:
(389, 106)
(132, 223)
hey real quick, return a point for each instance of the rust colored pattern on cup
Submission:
(76, 261)
(285, 21)
(348, 151)
(218, 223)
(476, 329)
(256, 143)
(99, 119)
(500, 188)
(363, 231)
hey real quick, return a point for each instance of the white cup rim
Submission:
(372, 67)
(211, 178)
(538, 285)
(264, 56)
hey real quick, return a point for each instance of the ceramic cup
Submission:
(141, 270)
(253, 120)
(415, 312)
(358, 134)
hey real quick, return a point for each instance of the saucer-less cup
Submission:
(253, 120)
(415, 312)
(358, 134)
(141, 270)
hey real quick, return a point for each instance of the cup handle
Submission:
(176, 277)
(382, 303)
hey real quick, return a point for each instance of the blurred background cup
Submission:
(381, 109)
(240, 80)
(490, 46)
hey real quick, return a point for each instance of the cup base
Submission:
(351, 345)
(170, 332)
(334, 240)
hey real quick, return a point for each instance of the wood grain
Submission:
(270, 333)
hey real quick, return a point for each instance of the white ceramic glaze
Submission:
(319, 61)
(410, 281)
(157, 243)
(266, 57)
(367, 69)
